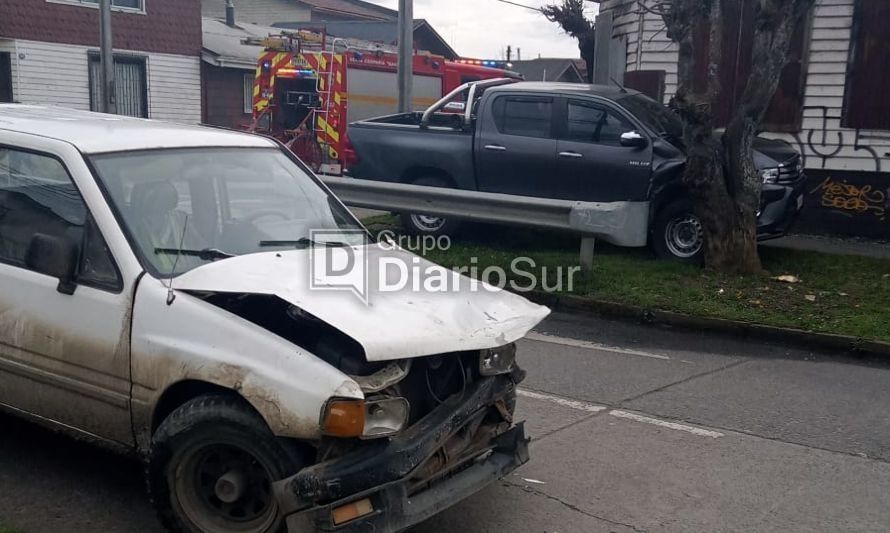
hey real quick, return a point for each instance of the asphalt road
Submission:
(635, 428)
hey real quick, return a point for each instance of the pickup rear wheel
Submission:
(422, 224)
(677, 233)
(211, 468)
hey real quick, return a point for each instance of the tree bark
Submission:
(720, 173)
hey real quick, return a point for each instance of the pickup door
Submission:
(516, 147)
(590, 155)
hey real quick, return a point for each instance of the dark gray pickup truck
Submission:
(564, 141)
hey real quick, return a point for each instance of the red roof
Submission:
(357, 8)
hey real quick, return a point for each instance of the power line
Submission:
(519, 5)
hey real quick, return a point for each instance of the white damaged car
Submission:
(159, 295)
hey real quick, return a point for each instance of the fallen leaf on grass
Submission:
(810, 297)
(787, 278)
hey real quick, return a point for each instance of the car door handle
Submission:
(575, 155)
(495, 147)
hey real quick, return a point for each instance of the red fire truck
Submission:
(308, 88)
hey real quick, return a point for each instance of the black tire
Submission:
(202, 438)
(676, 234)
(420, 224)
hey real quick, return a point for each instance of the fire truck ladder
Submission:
(324, 87)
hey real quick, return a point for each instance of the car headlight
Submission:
(367, 419)
(770, 175)
(494, 361)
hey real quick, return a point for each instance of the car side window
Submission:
(591, 123)
(525, 116)
(37, 196)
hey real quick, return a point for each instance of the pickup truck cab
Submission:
(158, 296)
(564, 141)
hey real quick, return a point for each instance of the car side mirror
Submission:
(633, 139)
(56, 257)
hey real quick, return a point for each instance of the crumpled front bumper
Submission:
(390, 473)
(780, 206)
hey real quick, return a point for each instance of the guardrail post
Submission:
(587, 245)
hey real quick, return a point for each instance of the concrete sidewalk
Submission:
(833, 245)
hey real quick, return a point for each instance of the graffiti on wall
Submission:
(853, 199)
(845, 201)
(827, 145)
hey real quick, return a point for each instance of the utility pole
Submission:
(406, 55)
(509, 53)
(106, 59)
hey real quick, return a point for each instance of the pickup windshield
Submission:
(184, 208)
(656, 116)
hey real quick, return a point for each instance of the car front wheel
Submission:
(423, 224)
(212, 465)
(677, 234)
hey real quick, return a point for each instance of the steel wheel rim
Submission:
(428, 222)
(197, 484)
(684, 236)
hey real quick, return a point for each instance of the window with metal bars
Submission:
(130, 84)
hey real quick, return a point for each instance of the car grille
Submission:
(789, 171)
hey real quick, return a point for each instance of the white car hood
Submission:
(391, 325)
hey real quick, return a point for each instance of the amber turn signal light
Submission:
(344, 418)
(351, 511)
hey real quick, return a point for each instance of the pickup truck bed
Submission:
(395, 148)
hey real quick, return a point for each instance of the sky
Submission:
(482, 29)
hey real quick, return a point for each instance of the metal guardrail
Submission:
(620, 223)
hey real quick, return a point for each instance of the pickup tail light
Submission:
(350, 158)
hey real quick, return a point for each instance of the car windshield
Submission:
(654, 115)
(184, 208)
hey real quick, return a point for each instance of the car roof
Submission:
(98, 132)
(612, 92)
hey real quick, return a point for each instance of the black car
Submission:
(565, 141)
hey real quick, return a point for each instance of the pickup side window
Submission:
(37, 195)
(525, 116)
(592, 123)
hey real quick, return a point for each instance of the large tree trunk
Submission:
(774, 23)
(720, 173)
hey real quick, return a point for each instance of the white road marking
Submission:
(576, 343)
(565, 402)
(665, 424)
(593, 408)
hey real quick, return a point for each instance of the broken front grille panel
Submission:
(789, 171)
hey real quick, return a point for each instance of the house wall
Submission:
(57, 74)
(264, 12)
(167, 26)
(848, 170)
(224, 96)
